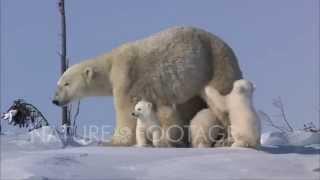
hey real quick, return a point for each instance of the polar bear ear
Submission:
(88, 73)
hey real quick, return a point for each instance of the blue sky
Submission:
(276, 42)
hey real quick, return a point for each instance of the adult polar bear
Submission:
(170, 67)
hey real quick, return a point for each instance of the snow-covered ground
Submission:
(296, 138)
(40, 155)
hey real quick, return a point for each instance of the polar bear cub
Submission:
(245, 123)
(205, 129)
(148, 125)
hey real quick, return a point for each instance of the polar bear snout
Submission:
(58, 100)
(134, 114)
(55, 102)
(59, 103)
(55, 99)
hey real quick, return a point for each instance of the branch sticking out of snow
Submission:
(266, 118)
(279, 105)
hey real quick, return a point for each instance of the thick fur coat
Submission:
(205, 129)
(148, 128)
(244, 121)
(170, 67)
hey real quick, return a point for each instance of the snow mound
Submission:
(46, 137)
(295, 138)
(41, 139)
(274, 139)
(81, 141)
(38, 155)
(302, 138)
(158, 163)
(38, 139)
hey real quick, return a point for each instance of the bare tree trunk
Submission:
(64, 64)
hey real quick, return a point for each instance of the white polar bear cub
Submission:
(205, 129)
(148, 125)
(245, 123)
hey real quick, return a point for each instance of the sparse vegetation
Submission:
(278, 104)
(25, 115)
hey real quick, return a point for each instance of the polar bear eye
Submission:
(66, 84)
(139, 109)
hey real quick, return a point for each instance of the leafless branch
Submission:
(279, 105)
(266, 118)
(310, 127)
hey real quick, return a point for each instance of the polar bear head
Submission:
(142, 110)
(82, 80)
(243, 87)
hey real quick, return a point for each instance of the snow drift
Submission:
(38, 155)
(46, 137)
(295, 138)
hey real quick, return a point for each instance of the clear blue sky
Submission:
(276, 42)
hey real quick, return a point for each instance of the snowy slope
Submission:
(295, 138)
(155, 163)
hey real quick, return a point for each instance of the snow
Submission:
(43, 158)
(46, 136)
(274, 138)
(295, 138)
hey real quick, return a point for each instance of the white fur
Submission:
(245, 123)
(148, 125)
(205, 128)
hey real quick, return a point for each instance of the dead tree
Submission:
(279, 105)
(63, 58)
(267, 119)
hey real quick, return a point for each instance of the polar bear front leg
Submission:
(239, 143)
(141, 137)
(156, 137)
(172, 126)
(124, 134)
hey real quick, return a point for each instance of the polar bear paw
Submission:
(142, 145)
(240, 144)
